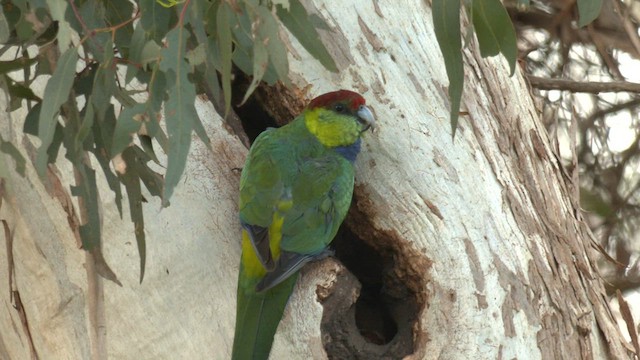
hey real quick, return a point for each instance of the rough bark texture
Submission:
(481, 234)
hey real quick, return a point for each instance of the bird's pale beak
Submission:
(365, 116)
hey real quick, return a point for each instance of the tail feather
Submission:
(257, 319)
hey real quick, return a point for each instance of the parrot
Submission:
(295, 190)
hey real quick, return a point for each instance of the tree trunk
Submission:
(465, 248)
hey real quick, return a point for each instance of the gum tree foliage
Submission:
(119, 69)
(494, 31)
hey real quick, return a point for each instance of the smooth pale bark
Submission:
(487, 224)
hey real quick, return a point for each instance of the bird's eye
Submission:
(339, 108)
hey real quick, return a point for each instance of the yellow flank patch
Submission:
(252, 264)
(275, 234)
(330, 128)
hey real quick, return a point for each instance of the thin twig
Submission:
(184, 8)
(582, 87)
(85, 29)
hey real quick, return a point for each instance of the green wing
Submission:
(321, 197)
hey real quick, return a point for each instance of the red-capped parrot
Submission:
(295, 190)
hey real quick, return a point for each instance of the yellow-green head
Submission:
(338, 118)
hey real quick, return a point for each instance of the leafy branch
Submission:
(129, 85)
(495, 34)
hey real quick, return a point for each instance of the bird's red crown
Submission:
(353, 99)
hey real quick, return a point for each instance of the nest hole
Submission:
(380, 323)
(372, 310)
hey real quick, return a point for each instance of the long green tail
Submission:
(257, 318)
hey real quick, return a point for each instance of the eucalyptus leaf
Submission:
(179, 110)
(268, 33)
(297, 20)
(494, 30)
(58, 10)
(86, 188)
(131, 181)
(260, 63)
(4, 29)
(156, 19)
(446, 24)
(129, 123)
(56, 93)
(102, 139)
(211, 56)
(588, 10)
(118, 13)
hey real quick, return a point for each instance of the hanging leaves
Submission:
(494, 31)
(169, 50)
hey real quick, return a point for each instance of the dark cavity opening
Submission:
(253, 116)
(372, 309)
(380, 324)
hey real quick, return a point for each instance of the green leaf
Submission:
(86, 188)
(226, 46)
(103, 131)
(588, 10)
(86, 124)
(129, 123)
(58, 10)
(210, 51)
(55, 94)
(100, 150)
(494, 30)
(153, 106)
(9, 149)
(118, 12)
(147, 146)
(90, 232)
(157, 92)
(268, 33)
(156, 19)
(93, 14)
(179, 109)
(131, 181)
(260, 63)
(31, 121)
(104, 83)
(446, 24)
(31, 127)
(4, 29)
(138, 40)
(24, 29)
(297, 21)
(151, 179)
